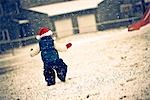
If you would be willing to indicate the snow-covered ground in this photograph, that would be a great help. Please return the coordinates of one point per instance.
(108, 65)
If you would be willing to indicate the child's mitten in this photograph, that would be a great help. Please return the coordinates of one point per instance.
(68, 45)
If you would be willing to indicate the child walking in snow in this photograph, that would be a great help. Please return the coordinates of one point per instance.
(50, 56)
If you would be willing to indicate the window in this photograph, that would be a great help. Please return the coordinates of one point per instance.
(17, 8)
(1, 10)
(125, 8)
(4, 35)
(1, 36)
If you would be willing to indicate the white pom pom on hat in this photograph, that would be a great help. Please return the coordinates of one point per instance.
(38, 37)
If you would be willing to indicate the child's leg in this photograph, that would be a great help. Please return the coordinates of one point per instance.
(49, 76)
(61, 69)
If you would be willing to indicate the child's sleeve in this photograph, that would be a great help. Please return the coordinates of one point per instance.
(35, 51)
(61, 46)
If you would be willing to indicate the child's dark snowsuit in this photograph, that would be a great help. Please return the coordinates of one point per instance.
(51, 61)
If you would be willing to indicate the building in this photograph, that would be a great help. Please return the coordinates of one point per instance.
(91, 15)
(18, 23)
(72, 17)
(116, 13)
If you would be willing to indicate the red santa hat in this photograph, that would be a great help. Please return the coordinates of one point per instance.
(44, 31)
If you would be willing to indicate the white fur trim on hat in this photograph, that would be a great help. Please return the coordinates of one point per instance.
(38, 37)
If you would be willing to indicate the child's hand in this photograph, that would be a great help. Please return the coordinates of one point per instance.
(68, 45)
(31, 52)
(34, 51)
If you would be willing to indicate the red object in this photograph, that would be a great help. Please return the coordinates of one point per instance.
(144, 21)
(42, 30)
(68, 45)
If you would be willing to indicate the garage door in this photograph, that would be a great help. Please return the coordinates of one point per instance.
(64, 28)
(87, 23)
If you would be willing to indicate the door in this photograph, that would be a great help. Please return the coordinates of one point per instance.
(87, 23)
(64, 27)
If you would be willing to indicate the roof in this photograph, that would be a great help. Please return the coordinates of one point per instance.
(147, 0)
(66, 7)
